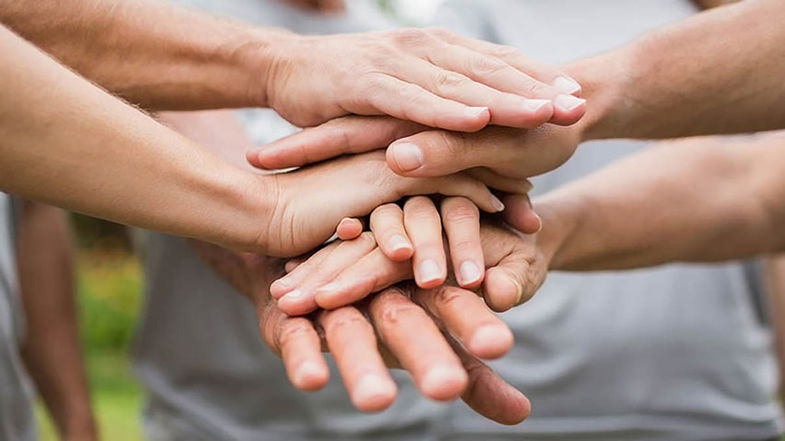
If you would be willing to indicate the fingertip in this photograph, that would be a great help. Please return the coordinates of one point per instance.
(444, 382)
(252, 156)
(398, 248)
(429, 274)
(373, 393)
(349, 228)
(329, 296)
(491, 341)
(501, 291)
(311, 376)
(469, 274)
(297, 302)
(568, 110)
(472, 120)
(279, 288)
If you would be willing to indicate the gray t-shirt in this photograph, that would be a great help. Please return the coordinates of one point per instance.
(207, 374)
(678, 352)
(16, 415)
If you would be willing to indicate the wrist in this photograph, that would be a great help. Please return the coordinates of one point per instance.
(263, 59)
(560, 219)
(258, 199)
(606, 81)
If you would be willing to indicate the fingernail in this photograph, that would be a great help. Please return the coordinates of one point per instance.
(279, 288)
(540, 220)
(497, 203)
(470, 273)
(294, 295)
(429, 271)
(408, 156)
(371, 391)
(330, 287)
(567, 85)
(475, 111)
(534, 106)
(398, 242)
(568, 103)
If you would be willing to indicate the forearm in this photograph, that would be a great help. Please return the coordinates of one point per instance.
(699, 200)
(717, 72)
(51, 349)
(154, 54)
(68, 143)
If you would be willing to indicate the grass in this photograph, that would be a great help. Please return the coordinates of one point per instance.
(109, 287)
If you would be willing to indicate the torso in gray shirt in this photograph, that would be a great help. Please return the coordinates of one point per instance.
(672, 353)
(16, 416)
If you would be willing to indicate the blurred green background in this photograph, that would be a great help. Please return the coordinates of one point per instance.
(109, 288)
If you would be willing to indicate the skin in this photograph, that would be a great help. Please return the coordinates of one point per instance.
(51, 349)
(366, 340)
(347, 271)
(654, 87)
(66, 142)
(433, 77)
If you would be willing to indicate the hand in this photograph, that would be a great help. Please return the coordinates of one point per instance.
(308, 204)
(410, 338)
(491, 155)
(347, 271)
(430, 76)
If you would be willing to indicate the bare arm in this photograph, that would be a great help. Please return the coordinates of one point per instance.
(694, 200)
(775, 290)
(162, 56)
(717, 72)
(51, 349)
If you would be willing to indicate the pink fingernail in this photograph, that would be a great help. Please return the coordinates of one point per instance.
(568, 103)
(398, 242)
(408, 156)
(497, 203)
(475, 111)
(535, 106)
(429, 271)
(470, 273)
(567, 85)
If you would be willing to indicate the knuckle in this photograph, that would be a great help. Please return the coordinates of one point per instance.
(411, 37)
(293, 331)
(504, 51)
(460, 210)
(345, 318)
(439, 32)
(445, 296)
(487, 66)
(394, 314)
(445, 81)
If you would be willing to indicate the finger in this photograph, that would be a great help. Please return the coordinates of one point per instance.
(499, 182)
(296, 340)
(352, 342)
(292, 264)
(440, 153)
(424, 226)
(293, 278)
(302, 299)
(461, 220)
(388, 229)
(417, 343)
(467, 317)
(550, 82)
(352, 134)
(370, 274)
(411, 102)
(452, 82)
(488, 394)
(349, 228)
(520, 214)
